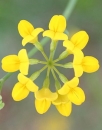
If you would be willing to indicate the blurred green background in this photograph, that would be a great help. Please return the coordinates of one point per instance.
(87, 15)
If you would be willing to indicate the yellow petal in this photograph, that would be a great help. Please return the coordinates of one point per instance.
(31, 86)
(45, 93)
(61, 99)
(80, 39)
(22, 79)
(60, 36)
(10, 63)
(24, 61)
(49, 33)
(36, 32)
(68, 85)
(76, 96)
(90, 64)
(28, 38)
(64, 108)
(19, 92)
(78, 57)
(25, 28)
(69, 45)
(27, 82)
(57, 23)
(42, 105)
(78, 70)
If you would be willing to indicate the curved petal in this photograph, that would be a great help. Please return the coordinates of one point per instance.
(90, 64)
(61, 99)
(68, 85)
(22, 79)
(29, 38)
(10, 63)
(76, 96)
(78, 70)
(25, 28)
(45, 93)
(42, 106)
(60, 36)
(36, 31)
(78, 57)
(69, 45)
(57, 23)
(24, 61)
(31, 86)
(80, 39)
(23, 57)
(27, 82)
(49, 33)
(64, 108)
(19, 92)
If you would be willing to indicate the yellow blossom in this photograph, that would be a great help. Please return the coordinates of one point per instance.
(63, 105)
(27, 31)
(82, 64)
(12, 63)
(23, 87)
(78, 41)
(57, 26)
(43, 100)
(75, 94)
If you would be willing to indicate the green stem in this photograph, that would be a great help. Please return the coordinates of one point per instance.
(4, 79)
(37, 73)
(60, 65)
(69, 8)
(61, 76)
(46, 82)
(57, 83)
(40, 48)
(35, 61)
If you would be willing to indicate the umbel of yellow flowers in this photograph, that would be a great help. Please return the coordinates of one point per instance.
(70, 92)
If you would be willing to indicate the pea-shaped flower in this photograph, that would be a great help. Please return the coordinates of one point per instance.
(12, 63)
(57, 26)
(75, 94)
(23, 87)
(78, 41)
(28, 32)
(43, 100)
(82, 64)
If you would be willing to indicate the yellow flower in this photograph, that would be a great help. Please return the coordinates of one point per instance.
(12, 63)
(82, 64)
(27, 31)
(77, 41)
(57, 26)
(75, 94)
(23, 87)
(63, 105)
(43, 100)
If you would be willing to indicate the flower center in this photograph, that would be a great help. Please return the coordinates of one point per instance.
(50, 63)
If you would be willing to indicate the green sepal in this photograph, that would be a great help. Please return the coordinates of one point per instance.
(35, 75)
(57, 84)
(63, 55)
(68, 65)
(39, 46)
(63, 78)
(46, 82)
(33, 61)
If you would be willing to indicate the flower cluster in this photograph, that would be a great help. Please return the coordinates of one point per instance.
(66, 93)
